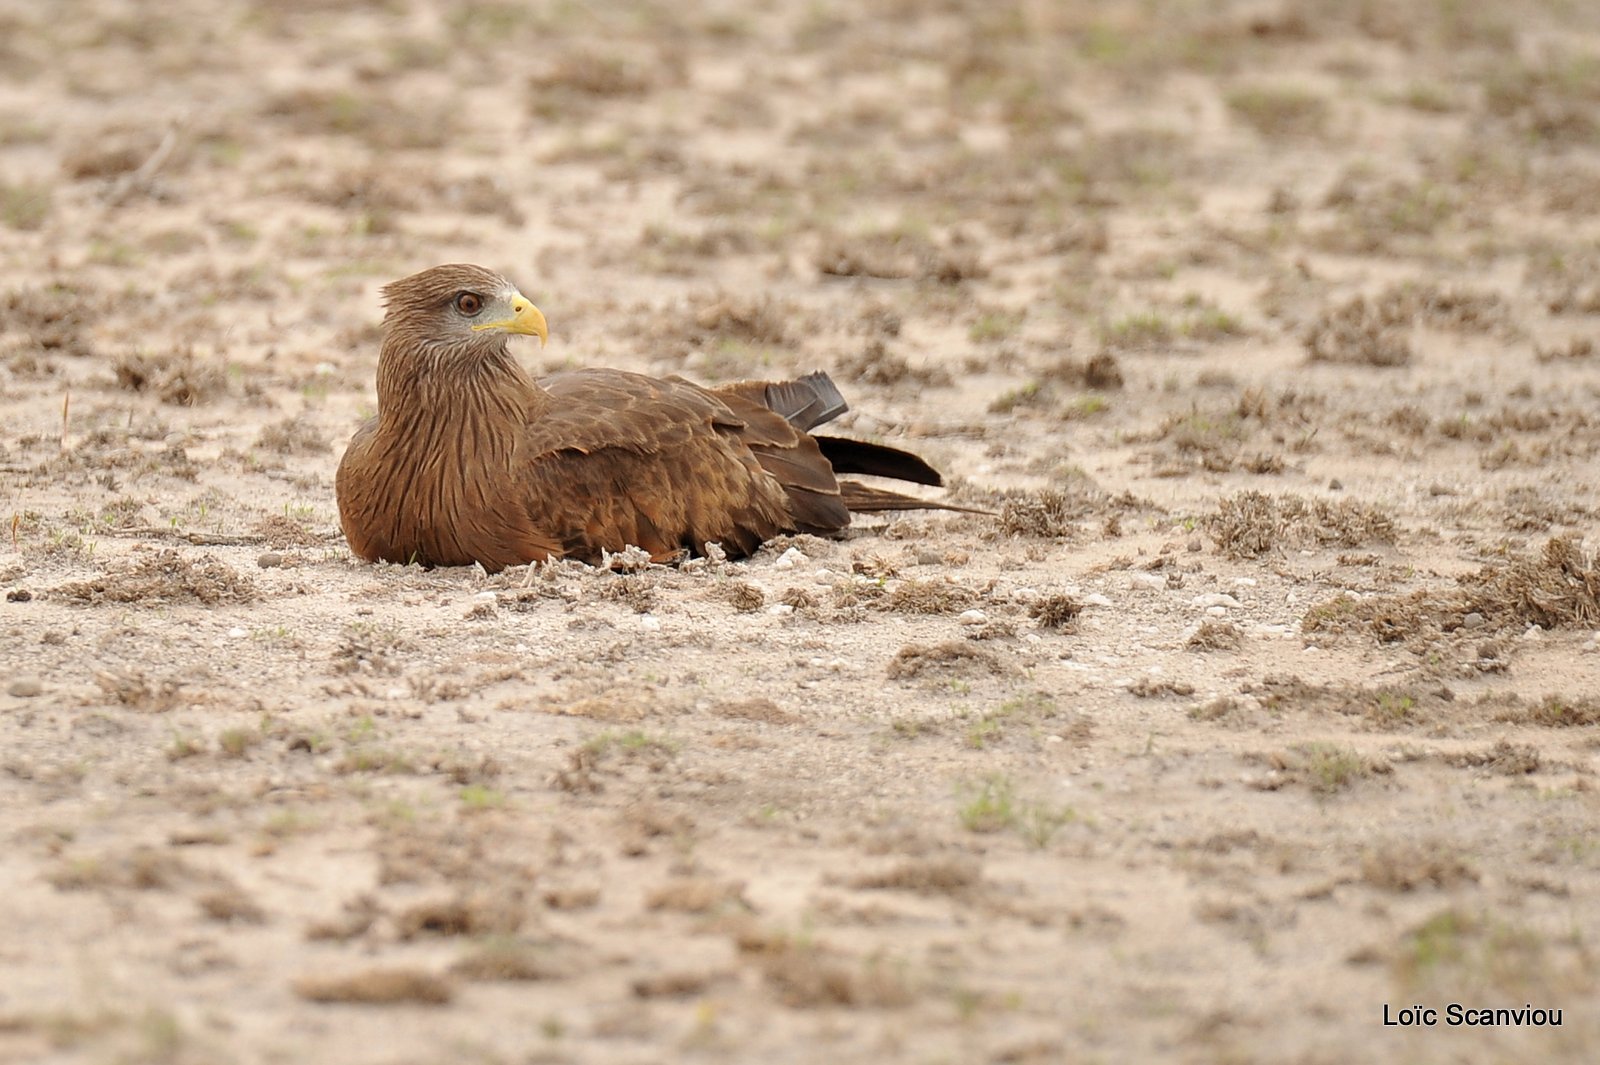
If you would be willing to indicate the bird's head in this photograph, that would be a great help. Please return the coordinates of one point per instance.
(459, 306)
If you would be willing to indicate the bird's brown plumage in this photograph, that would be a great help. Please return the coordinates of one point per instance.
(469, 459)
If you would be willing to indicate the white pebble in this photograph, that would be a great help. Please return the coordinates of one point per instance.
(1146, 580)
(972, 617)
(649, 623)
(1217, 611)
(485, 597)
(1210, 599)
(1244, 582)
(780, 610)
(236, 632)
(1533, 632)
(789, 559)
(1096, 599)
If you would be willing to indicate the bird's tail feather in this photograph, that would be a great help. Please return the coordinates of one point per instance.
(806, 401)
(858, 456)
(863, 499)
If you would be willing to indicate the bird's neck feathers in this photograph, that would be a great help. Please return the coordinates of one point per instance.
(460, 386)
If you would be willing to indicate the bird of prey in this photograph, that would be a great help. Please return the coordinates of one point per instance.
(470, 459)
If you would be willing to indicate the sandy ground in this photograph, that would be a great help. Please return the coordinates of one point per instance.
(1266, 702)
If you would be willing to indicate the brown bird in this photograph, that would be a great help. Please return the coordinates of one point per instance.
(470, 459)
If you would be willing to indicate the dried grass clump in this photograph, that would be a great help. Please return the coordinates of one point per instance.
(1058, 611)
(875, 364)
(950, 657)
(744, 596)
(1369, 332)
(1558, 588)
(897, 255)
(926, 597)
(1101, 372)
(176, 377)
(1554, 711)
(1216, 635)
(597, 75)
(1403, 867)
(1575, 348)
(379, 986)
(809, 975)
(293, 436)
(1323, 767)
(164, 577)
(1281, 111)
(373, 117)
(54, 317)
(712, 319)
(1047, 512)
(1252, 523)
(924, 876)
(109, 153)
(1503, 757)
(1375, 331)
(1387, 618)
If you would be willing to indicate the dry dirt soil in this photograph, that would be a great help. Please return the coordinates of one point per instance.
(1269, 696)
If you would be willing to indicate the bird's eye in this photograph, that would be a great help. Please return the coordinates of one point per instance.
(469, 303)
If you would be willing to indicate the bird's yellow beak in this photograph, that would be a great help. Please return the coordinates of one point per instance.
(526, 320)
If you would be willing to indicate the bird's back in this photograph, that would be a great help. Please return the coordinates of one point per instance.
(669, 466)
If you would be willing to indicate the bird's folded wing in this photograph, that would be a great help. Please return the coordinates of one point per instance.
(598, 409)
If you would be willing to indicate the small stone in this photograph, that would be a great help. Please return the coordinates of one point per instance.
(649, 623)
(1533, 632)
(1217, 611)
(1194, 544)
(780, 610)
(1146, 580)
(238, 633)
(1211, 599)
(929, 558)
(972, 617)
(1335, 485)
(269, 559)
(789, 559)
(1096, 599)
(25, 687)
(1473, 620)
